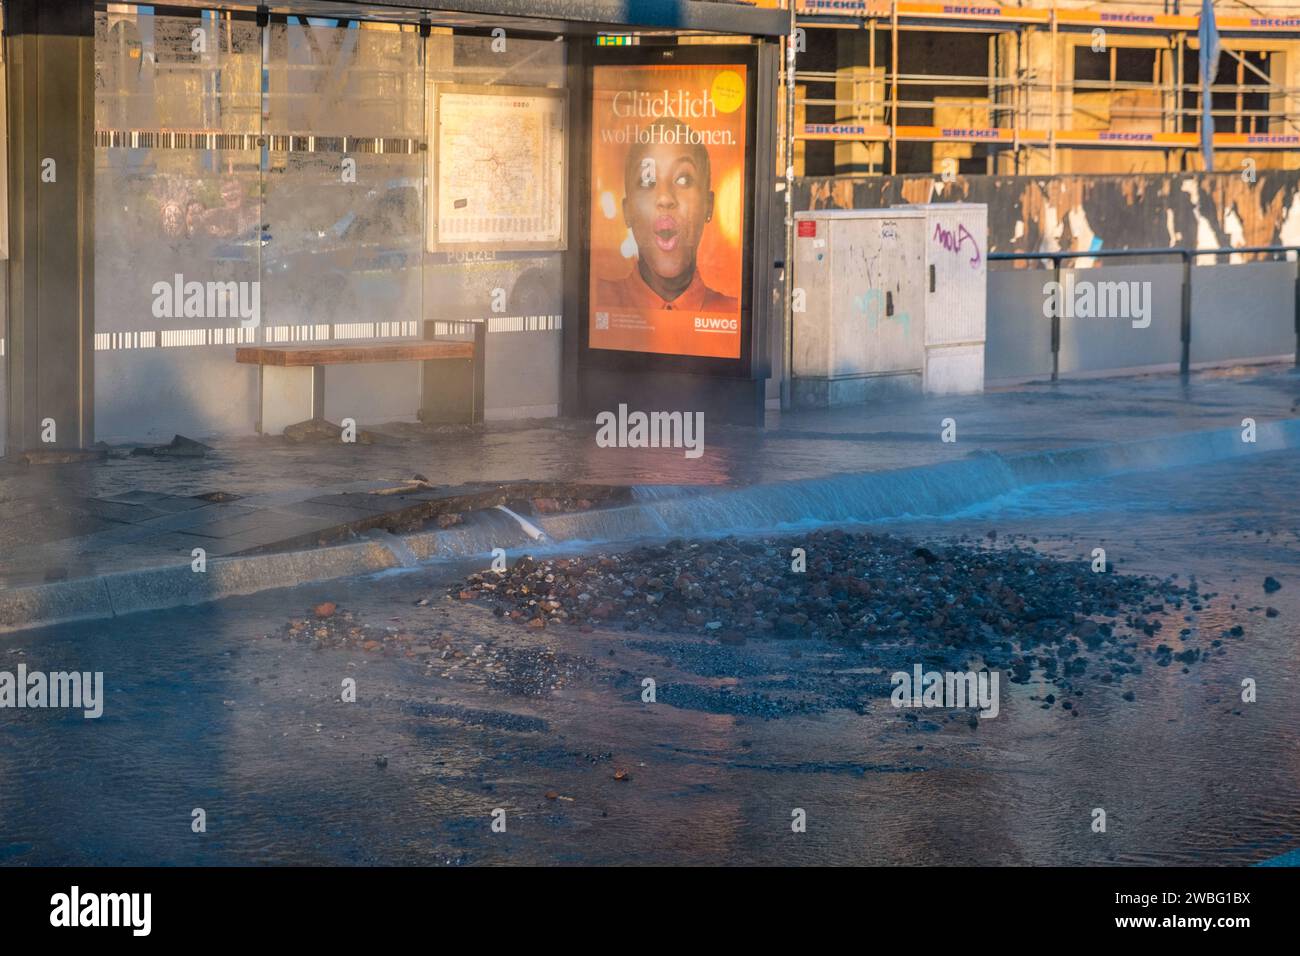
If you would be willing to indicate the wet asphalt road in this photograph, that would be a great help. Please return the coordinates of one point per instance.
(213, 708)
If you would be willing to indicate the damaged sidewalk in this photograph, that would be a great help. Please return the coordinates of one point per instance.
(120, 532)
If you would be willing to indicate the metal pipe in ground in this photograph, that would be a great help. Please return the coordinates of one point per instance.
(787, 271)
(1056, 320)
(1185, 333)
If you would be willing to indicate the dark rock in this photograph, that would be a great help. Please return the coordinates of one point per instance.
(182, 447)
(319, 431)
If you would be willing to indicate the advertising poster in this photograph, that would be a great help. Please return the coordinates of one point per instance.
(667, 208)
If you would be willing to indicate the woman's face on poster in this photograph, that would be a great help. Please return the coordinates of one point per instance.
(668, 202)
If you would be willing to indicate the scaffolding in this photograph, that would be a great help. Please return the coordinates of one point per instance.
(1065, 87)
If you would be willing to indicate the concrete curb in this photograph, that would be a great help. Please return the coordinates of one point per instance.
(159, 588)
(154, 589)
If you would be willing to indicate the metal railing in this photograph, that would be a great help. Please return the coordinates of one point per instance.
(1188, 257)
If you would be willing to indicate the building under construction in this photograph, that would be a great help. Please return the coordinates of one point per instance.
(1043, 86)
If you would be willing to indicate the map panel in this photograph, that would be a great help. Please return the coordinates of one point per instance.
(499, 157)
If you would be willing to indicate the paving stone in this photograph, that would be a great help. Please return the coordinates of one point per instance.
(137, 495)
(340, 513)
(196, 517)
(283, 524)
(124, 511)
(378, 504)
(177, 503)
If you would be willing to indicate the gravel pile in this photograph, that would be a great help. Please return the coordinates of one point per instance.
(527, 671)
(1007, 607)
(855, 587)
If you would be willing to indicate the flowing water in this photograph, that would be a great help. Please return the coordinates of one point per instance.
(203, 711)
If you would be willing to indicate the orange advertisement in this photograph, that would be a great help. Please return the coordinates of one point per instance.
(667, 208)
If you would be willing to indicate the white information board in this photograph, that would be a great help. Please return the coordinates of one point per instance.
(498, 168)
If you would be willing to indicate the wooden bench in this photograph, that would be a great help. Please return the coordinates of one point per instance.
(291, 381)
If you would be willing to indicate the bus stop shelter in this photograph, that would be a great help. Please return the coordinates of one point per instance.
(591, 181)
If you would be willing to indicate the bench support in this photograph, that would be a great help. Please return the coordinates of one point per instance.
(288, 396)
(451, 390)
